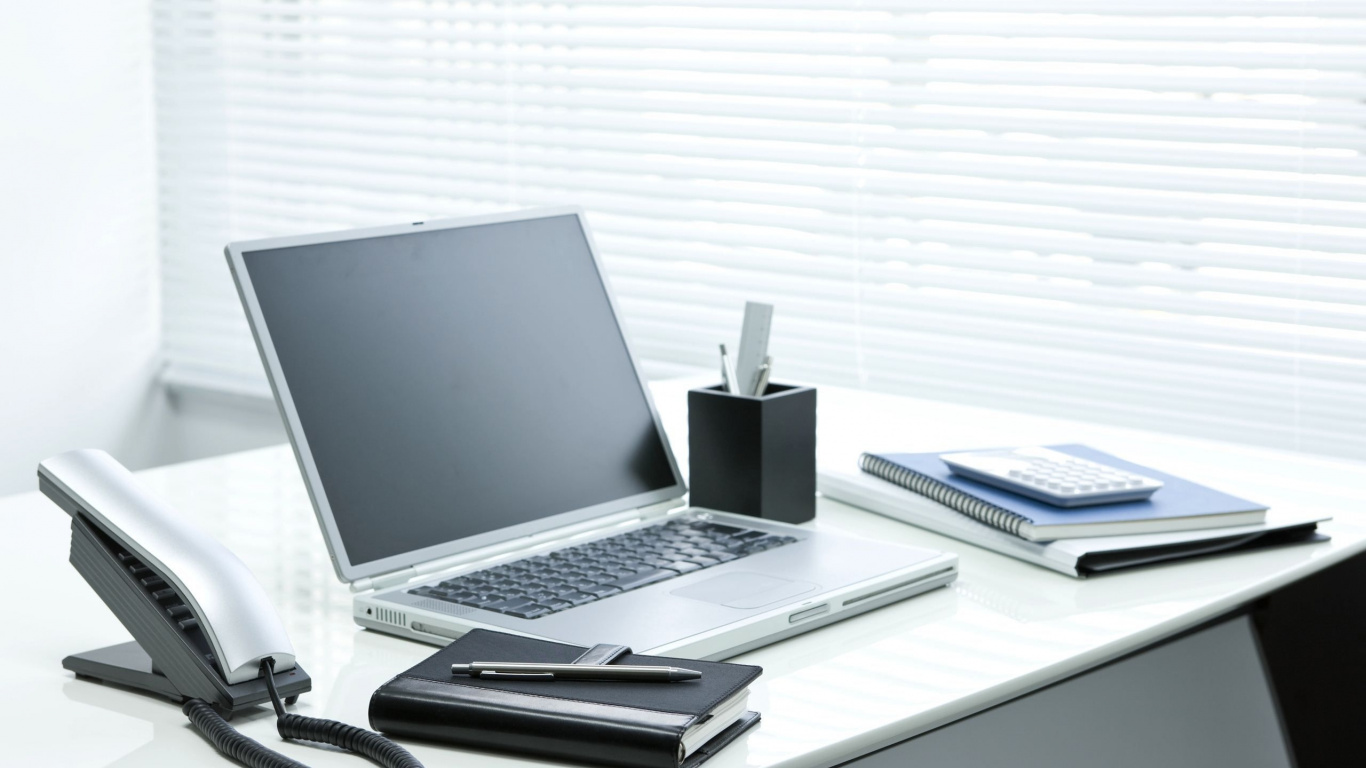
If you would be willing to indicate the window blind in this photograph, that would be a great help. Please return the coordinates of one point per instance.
(1146, 214)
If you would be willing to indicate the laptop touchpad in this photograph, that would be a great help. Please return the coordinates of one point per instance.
(745, 590)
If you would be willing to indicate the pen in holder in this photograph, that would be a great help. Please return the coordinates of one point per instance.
(754, 455)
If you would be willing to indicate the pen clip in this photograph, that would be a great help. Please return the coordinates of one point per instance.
(522, 676)
(600, 654)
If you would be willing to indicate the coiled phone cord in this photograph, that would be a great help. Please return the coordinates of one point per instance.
(254, 754)
(232, 743)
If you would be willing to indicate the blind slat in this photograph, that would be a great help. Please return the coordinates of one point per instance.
(442, 119)
(1208, 80)
(1218, 228)
(319, 39)
(965, 10)
(491, 104)
(870, 182)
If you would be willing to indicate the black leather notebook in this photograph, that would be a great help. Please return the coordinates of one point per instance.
(641, 725)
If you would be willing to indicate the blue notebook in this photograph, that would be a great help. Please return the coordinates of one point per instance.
(1179, 505)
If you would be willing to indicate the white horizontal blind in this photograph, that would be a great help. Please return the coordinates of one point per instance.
(1144, 213)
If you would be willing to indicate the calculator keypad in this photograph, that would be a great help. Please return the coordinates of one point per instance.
(1052, 476)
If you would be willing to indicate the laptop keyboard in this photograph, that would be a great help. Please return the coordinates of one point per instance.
(545, 584)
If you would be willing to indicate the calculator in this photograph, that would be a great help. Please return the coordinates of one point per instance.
(1051, 476)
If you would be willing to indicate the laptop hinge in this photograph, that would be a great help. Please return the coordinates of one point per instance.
(661, 509)
(394, 578)
(384, 579)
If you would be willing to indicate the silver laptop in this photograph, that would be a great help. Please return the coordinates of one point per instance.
(482, 451)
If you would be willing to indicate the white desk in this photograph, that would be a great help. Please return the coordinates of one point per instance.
(1004, 629)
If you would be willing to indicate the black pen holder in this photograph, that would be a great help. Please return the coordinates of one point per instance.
(754, 455)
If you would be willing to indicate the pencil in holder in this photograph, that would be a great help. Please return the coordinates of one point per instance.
(754, 455)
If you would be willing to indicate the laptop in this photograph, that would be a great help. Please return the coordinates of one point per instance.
(481, 450)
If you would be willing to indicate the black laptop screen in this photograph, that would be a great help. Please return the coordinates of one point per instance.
(453, 382)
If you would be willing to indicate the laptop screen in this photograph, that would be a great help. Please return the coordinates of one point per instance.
(453, 382)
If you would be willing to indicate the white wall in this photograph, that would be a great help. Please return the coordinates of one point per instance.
(79, 306)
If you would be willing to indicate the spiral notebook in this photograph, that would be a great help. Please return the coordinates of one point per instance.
(1180, 505)
(1078, 558)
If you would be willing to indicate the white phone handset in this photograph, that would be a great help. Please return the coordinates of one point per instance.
(227, 603)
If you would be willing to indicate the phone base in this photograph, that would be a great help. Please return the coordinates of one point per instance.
(128, 665)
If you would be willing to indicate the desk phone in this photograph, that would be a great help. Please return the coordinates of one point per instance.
(204, 633)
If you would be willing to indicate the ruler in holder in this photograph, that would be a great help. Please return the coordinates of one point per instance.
(753, 346)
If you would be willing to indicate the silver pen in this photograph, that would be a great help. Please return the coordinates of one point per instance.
(508, 670)
(728, 373)
(764, 370)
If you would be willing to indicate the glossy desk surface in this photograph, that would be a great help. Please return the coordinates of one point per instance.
(828, 696)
